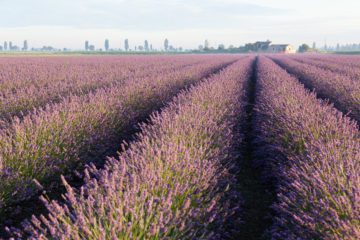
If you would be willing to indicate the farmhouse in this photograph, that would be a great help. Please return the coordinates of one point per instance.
(281, 48)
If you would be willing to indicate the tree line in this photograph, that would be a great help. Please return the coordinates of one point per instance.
(147, 47)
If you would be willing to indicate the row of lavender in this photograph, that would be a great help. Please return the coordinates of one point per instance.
(341, 90)
(352, 61)
(313, 152)
(338, 68)
(49, 142)
(171, 182)
(34, 82)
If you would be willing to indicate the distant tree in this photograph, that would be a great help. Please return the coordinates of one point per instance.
(25, 46)
(146, 45)
(166, 44)
(5, 45)
(221, 47)
(180, 49)
(304, 48)
(232, 47)
(86, 45)
(126, 43)
(314, 45)
(201, 47)
(92, 48)
(106, 45)
(338, 47)
(141, 48)
(206, 45)
(47, 48)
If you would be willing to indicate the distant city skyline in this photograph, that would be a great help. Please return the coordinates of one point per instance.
(186, 23)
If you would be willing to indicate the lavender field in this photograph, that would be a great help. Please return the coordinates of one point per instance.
(180, 147)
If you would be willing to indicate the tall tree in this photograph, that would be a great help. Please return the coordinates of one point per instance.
(5, 45)
(126, 43)
(206, 45)
(304, 48)
(338, 47)
(107, 44)
(314, 45)
(86, 45)
(166, 44)
(146, 45)
(25, 46)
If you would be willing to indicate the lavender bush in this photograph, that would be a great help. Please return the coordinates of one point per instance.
(316, 159)
(351, 61)
(168, 184)
(339, 89)
(49, 141)
(338, 67)
(27, 83)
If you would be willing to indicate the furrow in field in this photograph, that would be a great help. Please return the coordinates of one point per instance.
(257, 194)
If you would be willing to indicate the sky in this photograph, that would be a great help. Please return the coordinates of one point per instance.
(186, 23)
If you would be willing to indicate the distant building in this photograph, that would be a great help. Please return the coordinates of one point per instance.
(281, 48)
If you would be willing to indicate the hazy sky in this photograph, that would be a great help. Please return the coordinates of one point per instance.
(186, 23)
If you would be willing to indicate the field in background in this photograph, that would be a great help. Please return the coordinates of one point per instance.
(179, 146)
